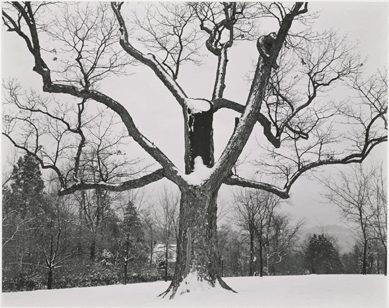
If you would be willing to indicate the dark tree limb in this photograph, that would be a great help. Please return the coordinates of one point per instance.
(130, 184)
(42, 69)
(220, 103)
(239, 181)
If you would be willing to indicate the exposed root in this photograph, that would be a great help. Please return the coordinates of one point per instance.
(224, 285)
(191, 282)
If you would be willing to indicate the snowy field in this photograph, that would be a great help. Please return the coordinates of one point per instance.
(280, 291)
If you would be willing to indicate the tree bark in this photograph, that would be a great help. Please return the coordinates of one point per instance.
(252, 254)
(166, 256)
(50, 279)
(260, 257)
(93, 249)
(197, 258)
(364, 261)
(125, 271)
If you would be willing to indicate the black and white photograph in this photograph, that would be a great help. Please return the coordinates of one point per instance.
(194, 154)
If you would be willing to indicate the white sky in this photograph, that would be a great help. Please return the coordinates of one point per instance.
(159, 117)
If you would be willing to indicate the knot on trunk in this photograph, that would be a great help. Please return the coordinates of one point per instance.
(265, 46)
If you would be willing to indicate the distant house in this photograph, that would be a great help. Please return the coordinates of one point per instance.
(159, 253)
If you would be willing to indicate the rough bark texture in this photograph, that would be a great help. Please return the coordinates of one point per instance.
(197, 242)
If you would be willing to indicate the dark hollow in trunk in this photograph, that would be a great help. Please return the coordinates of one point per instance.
(200, 135)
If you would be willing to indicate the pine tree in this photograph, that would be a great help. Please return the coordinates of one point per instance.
(26, 194)
(133, 241)
(23, 214)
(321, 256)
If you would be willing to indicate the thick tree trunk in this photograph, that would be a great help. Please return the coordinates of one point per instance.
(197, 255)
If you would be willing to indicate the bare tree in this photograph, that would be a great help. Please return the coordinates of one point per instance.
(54, 237)
(379, 209)
(254, 212)
(281, 238)
(289, 121)
(353, 195)
(166, 219)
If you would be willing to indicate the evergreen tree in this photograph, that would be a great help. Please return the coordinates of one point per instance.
(25, 195)
(321, 257)
(132, 238)
(23, 214)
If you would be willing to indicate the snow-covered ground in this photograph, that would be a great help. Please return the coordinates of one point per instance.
(279, 291)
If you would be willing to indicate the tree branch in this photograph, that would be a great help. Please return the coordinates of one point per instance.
(131, 184)
(239, 181)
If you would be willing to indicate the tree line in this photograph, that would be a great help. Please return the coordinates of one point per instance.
(98, 238)
(80, 49)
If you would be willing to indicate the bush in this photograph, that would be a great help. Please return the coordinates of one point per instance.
(24, 282)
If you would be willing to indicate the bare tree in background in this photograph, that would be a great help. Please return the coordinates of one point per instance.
(293, 111)
(379, 208)
(254, 212)
(166, 216)
(356, 197)
(281, 238)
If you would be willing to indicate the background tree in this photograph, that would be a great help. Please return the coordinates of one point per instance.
(379, 209)
(281, 239)
(54, 236)
(254, 211)
(356, 197)
(289, 112)
(166, 220)
(132, 239)
(24, 203)
(321, 257)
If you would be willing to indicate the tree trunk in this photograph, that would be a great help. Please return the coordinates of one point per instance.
(151, 246)
(260, 257)
(93, 249)
(197, 259)
(252, 255)
(364, 261)
(125, 271)
(50, 279)
(166, 256)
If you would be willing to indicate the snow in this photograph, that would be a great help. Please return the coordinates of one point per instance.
(193, 285)
(311, 291)
(200, 173)
(197, 105)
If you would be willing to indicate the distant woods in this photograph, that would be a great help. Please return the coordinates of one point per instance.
(99, 238)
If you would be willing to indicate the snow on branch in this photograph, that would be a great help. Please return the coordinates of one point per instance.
(131, 184)
(239, 181)
(85, 93)
(198, 105)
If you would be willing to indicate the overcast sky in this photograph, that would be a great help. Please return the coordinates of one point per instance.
(158, 115)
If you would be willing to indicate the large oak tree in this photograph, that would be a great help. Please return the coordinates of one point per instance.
(293, 69)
